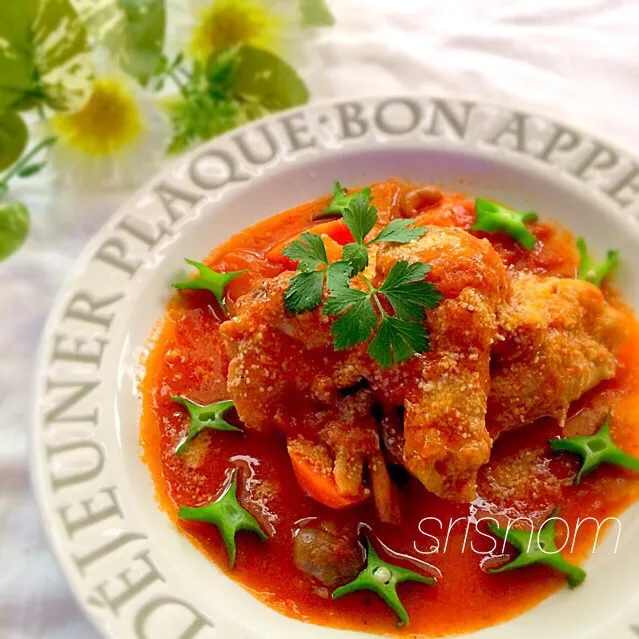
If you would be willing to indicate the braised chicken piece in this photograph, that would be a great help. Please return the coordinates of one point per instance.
(284, 374)
(559, 338)
(444, 391)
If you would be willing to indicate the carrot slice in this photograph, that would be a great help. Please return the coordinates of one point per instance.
(317, 481)
(335, 229)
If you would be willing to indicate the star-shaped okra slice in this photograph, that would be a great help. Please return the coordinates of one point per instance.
(382, 578)
(228, 515)
(594, 450)
(537, 547)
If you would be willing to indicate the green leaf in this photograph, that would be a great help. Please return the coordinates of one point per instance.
(263, 77)
(356, 325)
(408, 293)
(304, 292)
(16, 62)
(309, 251)
(204, 417)
(132, 30)
(198, 118)
(338, 275)
(382, 578)
(359, 217)
(209, 280)
(227, 514)
(62, 56)
(398, 231)
(495, 218)
(342, 297)
(140, 44)
(398, 340)
(315, 13)
(13, 138)
(221, 69)
(31, 169)
(44, 56)
(340, 200)
(357, 256)
(14, 227)
(591, 272)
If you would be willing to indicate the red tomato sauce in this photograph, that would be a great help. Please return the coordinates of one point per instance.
(523, 477)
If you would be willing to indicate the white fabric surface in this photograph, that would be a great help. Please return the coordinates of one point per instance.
(573, 59)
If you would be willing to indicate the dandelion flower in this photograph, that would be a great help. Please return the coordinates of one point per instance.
(265, 24)
(115, 140)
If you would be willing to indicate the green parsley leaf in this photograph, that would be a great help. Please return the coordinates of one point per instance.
(591, 272)
(340, 200)
(356, 255)
(356, 324)
(209, 280)
(398, 340)
(309, 251)
(495, 218)
(398, 231)
(407, 291)
(338, 275)
(305, 289)
(304, 292)
(360, 217)
(342, 298)
(361, 313)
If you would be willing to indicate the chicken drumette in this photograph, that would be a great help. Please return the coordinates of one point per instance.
(558, 341)
(284, 374)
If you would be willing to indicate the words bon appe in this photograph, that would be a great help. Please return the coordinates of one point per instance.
(121, 577)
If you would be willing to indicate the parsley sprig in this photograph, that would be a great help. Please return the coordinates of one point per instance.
(362, 313)
(305, 289)
(397, 326)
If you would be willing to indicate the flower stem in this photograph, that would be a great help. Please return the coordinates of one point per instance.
(25, 159)
(178, 82)
(185, 74)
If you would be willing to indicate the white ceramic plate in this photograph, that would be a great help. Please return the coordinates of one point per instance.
(131, 570)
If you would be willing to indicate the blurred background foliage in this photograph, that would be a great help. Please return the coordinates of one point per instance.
(89, 91)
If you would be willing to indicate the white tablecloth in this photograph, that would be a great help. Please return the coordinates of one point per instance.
(574, 59)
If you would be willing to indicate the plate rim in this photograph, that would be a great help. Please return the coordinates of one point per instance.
(56, 545)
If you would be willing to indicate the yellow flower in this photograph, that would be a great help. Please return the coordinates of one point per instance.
(116, 139)
(264, 24)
